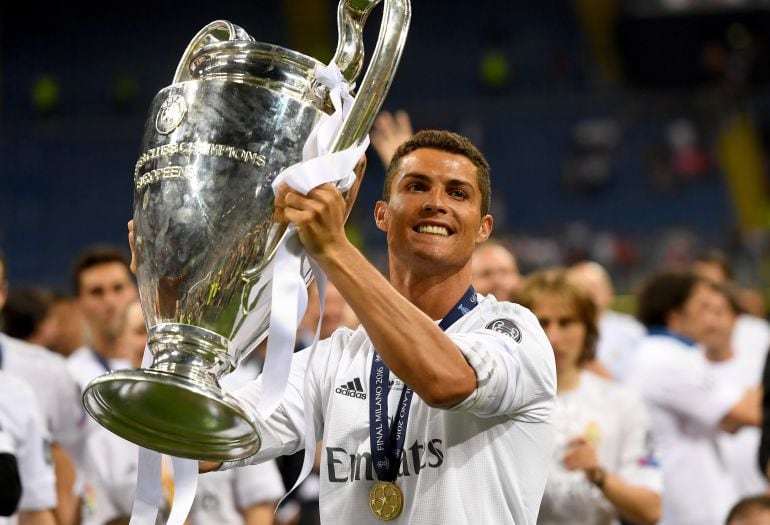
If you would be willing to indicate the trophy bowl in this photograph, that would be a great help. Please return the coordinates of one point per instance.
(237, 114)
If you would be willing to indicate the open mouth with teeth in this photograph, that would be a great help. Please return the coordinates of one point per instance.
(431, 229)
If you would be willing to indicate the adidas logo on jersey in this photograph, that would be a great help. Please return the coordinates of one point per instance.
(352, 389)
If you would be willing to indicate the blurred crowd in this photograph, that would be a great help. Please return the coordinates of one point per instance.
(658, 416)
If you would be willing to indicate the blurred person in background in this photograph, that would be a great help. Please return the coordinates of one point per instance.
(58, 400)
(28, 315)
(689, 405)
(619, 333)
(752, 302)
(754, 510)
(604, 467)
(243, 496)
(25, 435)
(713, 265)
(132, 334)
(739, 450)
(389, 131)
(70, 325)
(104, 287)
(495, 271)
(750, 333)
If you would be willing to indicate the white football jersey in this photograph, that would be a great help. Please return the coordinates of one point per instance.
(618, 336)
(615, 420)
(56, 391)
(751, 338)
(483, 461)
(686, 404)
(21, 420)
(85, 366)
(109, 473)
(222, 495)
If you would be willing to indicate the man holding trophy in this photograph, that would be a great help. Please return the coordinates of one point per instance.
(472, 380)
(437, 409)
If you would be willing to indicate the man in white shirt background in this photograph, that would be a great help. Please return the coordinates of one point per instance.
(751, 334)
(741, 368)
(619, 333)
(495, 271)
(689, 406)
(26, 435)
(57, 399)
(244, 496)
(103, 287)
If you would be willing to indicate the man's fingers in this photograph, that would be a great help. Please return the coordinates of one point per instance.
(385, 124)
(132, 245)
(403, 122)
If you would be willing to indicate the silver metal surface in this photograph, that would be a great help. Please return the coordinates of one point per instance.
(237, 114)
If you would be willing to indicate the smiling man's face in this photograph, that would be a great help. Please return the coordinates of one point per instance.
(434, 211)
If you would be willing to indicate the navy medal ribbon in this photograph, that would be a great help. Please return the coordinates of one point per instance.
(387, 443)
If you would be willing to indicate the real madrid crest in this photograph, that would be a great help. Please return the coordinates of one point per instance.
(506, 327)
(170, 114)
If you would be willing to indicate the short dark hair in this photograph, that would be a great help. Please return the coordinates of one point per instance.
(450, 142)
(717, 258)
(24, 310)
(747, 506)
(95, 256)
(557, 280)
(663, 293)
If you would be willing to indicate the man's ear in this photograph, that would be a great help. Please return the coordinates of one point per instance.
(485, 229)
(381, 215)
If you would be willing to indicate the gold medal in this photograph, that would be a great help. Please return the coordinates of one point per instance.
(386, 500)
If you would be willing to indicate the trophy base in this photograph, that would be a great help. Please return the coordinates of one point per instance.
(172, 414)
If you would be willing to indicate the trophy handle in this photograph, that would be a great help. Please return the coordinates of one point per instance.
(351, 16)
(210, 34)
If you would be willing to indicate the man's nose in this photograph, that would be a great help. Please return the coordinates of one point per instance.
(434, 201)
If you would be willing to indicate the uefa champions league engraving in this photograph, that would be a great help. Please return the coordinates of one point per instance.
(237, 113)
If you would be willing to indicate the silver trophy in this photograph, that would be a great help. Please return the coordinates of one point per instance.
(237, 113)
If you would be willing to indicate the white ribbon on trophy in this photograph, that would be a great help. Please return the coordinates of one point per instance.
(288, 305)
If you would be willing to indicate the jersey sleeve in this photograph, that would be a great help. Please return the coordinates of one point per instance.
(10, 484)
(255, 484)
(283, 432)
(35, 465)
(514, 365)
(639, 462)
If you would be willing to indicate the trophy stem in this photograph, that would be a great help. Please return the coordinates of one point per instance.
(176, 348)
(177, 406)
